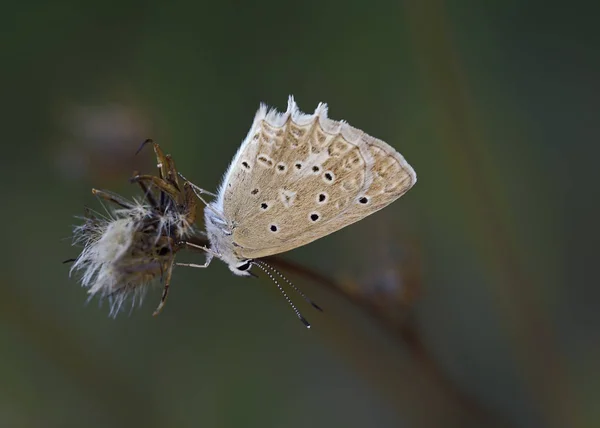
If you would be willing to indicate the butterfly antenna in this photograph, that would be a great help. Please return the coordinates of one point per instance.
(298, 314)
(282, 276)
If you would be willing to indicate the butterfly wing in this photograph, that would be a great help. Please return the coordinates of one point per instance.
(299, 177)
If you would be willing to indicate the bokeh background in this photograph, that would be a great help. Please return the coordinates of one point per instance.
(470, 302)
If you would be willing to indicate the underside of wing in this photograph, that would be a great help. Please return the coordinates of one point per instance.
(299, 177)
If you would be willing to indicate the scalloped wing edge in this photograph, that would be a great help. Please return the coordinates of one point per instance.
(278, 119)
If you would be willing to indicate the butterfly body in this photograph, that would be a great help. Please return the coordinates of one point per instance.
(297, 178)
(220, 236)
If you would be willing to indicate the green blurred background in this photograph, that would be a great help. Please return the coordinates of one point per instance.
(469, 302)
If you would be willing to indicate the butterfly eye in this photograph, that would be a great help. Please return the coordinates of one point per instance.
(244, 266)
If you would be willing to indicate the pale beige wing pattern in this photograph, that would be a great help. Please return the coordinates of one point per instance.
(301, 177)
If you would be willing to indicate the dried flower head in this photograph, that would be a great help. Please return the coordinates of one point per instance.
(135, 245)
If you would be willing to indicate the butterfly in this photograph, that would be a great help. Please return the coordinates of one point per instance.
(296, 178)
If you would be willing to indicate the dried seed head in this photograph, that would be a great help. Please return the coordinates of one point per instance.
(136, 244)
(123, 254)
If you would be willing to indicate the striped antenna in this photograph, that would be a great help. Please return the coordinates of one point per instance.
(298, 314)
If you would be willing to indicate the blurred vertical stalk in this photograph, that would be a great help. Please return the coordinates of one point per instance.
(474, 190)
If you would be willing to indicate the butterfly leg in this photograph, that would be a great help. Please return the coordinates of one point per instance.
(198, 191)
(199, 247)
(194, 265)
(209, 256)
